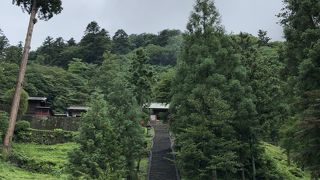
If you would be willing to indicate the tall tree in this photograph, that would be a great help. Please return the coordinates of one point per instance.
(45, 10)
(263, 38)
(125, 113)
(3, 44)
(120, 42)
(13, 54)
(141, 77)
(213, 109)
(165, 35)
(99, 155)
(94, 43)
(301, 22)
(51, 52)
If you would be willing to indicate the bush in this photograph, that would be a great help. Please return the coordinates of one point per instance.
(21, 126)
(47, 137)
(30, 164)
(3, 124)
(23, 106)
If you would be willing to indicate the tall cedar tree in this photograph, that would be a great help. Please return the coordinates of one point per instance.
(98, 156)
(213, 114)
(45, 10)
(141, 77)
(4, 43)
(301, 22)
(125, 112)
(94, 43)
(120, 42)
(263, 75)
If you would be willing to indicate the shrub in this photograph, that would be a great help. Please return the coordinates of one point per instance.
(30, 164)
(21, 126)
(23, 106)
(47, 137)
(3, 124)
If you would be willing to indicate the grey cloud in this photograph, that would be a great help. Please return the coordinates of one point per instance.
(138, 16)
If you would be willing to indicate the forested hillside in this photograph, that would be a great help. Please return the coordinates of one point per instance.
(242, 106)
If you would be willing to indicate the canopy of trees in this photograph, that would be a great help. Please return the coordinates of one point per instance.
(228, 93)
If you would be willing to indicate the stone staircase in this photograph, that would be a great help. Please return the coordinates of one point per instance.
(162, 165)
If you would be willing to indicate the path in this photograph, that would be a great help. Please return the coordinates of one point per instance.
(162, 165)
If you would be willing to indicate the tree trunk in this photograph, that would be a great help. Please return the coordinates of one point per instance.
(138, 165)
(214, 174)
(243, 176)
(253, 167)
(17, 95)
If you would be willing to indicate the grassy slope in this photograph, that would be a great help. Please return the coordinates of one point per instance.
(11, 172)
(51, 153)
(43, 153)
(280, 159)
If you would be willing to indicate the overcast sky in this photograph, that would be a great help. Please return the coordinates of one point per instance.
(138, 16)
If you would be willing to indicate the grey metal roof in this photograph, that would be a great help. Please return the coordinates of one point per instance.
(37, 98)
(158, 106)
(78, 108)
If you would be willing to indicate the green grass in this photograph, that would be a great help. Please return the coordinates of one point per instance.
(37, 154)
(279, 158)
(52, 154)
(11, 172)
(57, 154)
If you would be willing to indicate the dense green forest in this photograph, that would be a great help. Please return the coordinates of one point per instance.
(236, 100)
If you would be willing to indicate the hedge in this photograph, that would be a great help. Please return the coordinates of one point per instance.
(46, 137)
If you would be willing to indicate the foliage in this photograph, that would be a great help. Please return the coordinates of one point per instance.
(98, 155)
(124, 111)
(162, 89)
(213, 105)
(62, 88)
(141, 77)
(142, 40)
(264, 76)
(120, 42)
(164, 36)
(4, 118)
(46, 8)
(13, 54)
(23, 106)
(46, 159)
(161, 55)
(46, 137)
(300, 20)
(9, 171)
(94, 43)
(21, 126)
(277, 157)
(3, 44)
(52, 52)
(8, 72)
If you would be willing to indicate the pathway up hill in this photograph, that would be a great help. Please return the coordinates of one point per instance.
(162, 165)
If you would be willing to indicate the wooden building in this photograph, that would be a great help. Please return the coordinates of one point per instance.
(37, 106)
(156, 108)
(76, 111)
